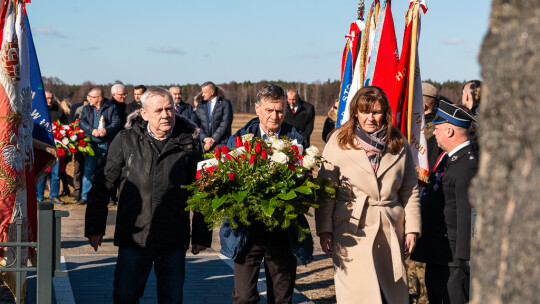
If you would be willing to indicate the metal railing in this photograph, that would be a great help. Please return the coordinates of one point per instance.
(48, 247)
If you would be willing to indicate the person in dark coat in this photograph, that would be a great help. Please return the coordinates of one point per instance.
(100, 122)
(330, 122)
(181, 107)
(78, 158)
(150, 160)
(215, 115)
(135, 105)
(445, 244)
(300, 114)
(249, 246)
(118, 99)
(57, 115)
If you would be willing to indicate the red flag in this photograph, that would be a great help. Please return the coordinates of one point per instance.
(408, 94)
(387, 57)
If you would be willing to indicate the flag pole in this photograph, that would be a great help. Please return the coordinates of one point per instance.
(412, 68)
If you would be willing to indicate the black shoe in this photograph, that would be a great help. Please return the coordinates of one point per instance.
(82, 201)
(57, 201)
(77, 198)
(65, 193)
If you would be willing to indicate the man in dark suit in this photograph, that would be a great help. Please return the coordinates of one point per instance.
(215, 116)
(300, 114)
(445, 244)
(251, 245)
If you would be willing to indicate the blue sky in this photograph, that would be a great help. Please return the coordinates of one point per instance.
(188, 41)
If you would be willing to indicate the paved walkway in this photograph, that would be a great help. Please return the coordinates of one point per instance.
(209, 276)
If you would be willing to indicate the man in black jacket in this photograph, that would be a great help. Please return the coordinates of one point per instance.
(100, 121)
(57, 115)
(119, 94)
(150, 161)
(135, 105)
(300, 114)
(181, 107)
(215, 116)
(445, 244)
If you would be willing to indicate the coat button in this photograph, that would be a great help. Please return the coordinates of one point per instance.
(445, 235)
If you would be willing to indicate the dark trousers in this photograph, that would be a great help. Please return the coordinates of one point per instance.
(447, 284)
(78, 171)
(279, 267)
(133, 266)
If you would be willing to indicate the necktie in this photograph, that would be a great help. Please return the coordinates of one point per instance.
(293, 111)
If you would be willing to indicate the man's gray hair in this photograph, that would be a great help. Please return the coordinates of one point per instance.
(272, 92)
(156, 91)
(115, 87)
(179, 88)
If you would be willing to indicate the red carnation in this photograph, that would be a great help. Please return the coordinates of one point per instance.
(247, 146)
(217, 152)
(80, 135)
(71, 133)
(60, 152)
(225, 150)
(291, 167)
(238, 141)
(252, 159)
(228, 156)
(77, 129)
(232, 177)
(82, 143)
(264, 155)
(258, 147)
(72, 150)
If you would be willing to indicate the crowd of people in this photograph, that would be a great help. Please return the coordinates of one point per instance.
(147, 149)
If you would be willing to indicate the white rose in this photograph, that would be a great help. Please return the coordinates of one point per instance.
(237, 152)
(65, 141)
(280, 158)
(278, 144)
(63, 132)
(312, 151)
(65, 127)
(247, 137)
(73, 138)
(309, 162)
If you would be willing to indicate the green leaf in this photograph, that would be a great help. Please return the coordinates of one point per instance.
(287, 196)
(199, 195)
(239, 196)
(90, 151)
(269, 206)
(218, 201)
(304, 190)
(86, 139)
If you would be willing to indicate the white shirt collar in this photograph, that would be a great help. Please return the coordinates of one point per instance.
(263, 134)
(456, 149)
(154, 136)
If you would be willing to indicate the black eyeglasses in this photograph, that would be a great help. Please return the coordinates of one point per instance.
(335, 108)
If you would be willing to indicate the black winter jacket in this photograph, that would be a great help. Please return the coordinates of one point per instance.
(110, 115)
(303, 120)
(151, 203)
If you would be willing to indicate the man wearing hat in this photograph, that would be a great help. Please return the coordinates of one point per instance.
(431, 99)
(446, 211)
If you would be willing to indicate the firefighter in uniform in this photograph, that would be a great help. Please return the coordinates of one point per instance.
(446, 211)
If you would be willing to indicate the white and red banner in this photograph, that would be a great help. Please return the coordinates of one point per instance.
(408, 92)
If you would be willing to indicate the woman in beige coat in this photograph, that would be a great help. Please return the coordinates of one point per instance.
(372, 224)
